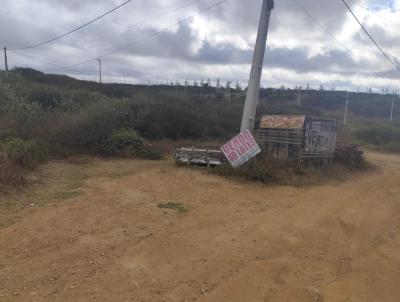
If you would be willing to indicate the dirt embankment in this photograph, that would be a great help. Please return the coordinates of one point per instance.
(94, 232)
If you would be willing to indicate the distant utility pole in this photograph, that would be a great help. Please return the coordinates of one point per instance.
(100, 79)
(299, 96)
(228, 91)
(347, 108)
(5, 62)
(392, 108)
(146, 90)
(218, 85)
(253, 91)
(186, 87)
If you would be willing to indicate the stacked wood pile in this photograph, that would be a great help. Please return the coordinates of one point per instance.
(352, 156)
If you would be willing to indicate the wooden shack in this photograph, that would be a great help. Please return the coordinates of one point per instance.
(298, 137)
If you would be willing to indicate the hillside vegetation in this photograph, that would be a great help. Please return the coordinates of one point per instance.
(51, 116)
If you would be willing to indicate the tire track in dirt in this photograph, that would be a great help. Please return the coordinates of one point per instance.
(237, 242)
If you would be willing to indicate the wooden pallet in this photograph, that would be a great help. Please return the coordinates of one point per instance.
(200, 156)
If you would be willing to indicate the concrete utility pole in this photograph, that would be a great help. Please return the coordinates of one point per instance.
(147, 89)
(392, 108)
(253, 91)
(186, 87)
(228, 91)
(5, 62)
(100, 79)
(347, 108)
(299, 96)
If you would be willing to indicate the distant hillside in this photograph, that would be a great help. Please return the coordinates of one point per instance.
(73, 115)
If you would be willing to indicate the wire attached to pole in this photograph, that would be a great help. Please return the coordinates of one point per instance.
(73, 30)
(371, 38)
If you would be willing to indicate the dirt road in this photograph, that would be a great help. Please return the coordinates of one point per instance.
(94, 232)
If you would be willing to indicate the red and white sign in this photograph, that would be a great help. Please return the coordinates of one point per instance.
(241, 149)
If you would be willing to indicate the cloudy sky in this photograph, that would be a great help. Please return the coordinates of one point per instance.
(143, 41)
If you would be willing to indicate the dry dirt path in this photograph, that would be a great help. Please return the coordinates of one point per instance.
(95, 233)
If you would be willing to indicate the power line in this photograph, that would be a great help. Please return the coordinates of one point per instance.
(375, 14)
(320, 25)
(151, 19)
(166, 28)
(49, 63)
(73, 30)
(324, 29)
(149, 36)
(371, 38)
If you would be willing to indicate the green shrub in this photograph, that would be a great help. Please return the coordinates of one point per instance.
(378, 135)
(173, 206)
(10, 173)
(86, 131)
(382, 137)
(26, 154)
(123, 142)
(151, 153)
(80, 117)
(127, 142)
(351, 157)
(393, 147)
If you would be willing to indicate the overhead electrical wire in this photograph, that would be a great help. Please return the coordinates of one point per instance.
(320, 25)
(150, 19)
(164, 29)
(324, 29)
(148, 36)
(49, 63)
(73, 30)
(102, 38)
(396, 67)
(375, 14)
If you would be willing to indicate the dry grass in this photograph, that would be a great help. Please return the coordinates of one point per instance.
(266, 170)
(79, 160)
(11, 175)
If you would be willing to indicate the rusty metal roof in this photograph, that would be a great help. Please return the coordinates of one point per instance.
(282, 122)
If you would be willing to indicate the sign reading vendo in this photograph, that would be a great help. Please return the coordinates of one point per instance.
(241, 149)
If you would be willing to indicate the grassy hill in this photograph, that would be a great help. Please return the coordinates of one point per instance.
(67, 116)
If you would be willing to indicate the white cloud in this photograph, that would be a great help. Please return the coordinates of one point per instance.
(216, 44)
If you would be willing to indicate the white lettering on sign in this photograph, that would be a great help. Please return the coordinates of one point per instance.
(318, 140)
(241, 149)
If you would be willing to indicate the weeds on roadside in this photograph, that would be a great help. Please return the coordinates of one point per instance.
(11, 175)
(271, 171)
(173, 206)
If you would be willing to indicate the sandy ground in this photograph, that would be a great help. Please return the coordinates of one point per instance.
(94, 232)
